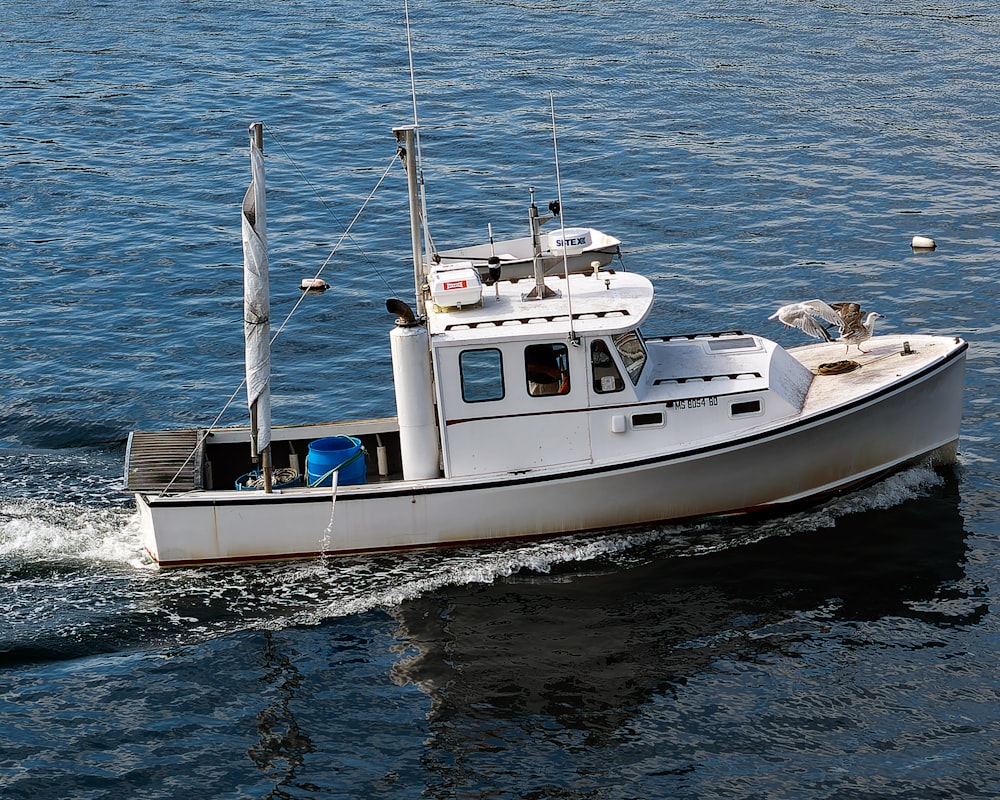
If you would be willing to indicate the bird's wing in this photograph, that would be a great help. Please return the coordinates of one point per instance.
(812, 327)
(790, 314)
(801, 315)
(850, 314)
(822, 310)
(852, 323)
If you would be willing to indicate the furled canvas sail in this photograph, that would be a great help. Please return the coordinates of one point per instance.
(256, 302)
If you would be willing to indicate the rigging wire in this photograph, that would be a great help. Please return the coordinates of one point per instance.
(336, 247)
(347, 232)
(345, 235)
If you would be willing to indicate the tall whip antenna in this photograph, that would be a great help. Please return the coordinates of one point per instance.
(429, 243)
(573, 338)
(409, 53)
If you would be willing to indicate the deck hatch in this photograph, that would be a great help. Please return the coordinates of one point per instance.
(722, 345)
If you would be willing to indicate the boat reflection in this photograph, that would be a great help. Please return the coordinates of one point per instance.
(586, 647)
(282, 746)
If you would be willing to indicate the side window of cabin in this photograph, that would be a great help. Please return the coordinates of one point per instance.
(633, 353)
(546, 367)
(605, 372)
(482, 375)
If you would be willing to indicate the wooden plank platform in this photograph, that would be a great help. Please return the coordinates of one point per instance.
(156, 460)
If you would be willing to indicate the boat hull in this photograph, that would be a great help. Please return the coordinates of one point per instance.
(803, 459)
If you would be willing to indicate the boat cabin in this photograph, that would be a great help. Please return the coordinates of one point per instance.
(519, 388)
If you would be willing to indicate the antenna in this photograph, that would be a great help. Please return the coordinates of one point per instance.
(428, 241)
(409, 54)
(573, 338)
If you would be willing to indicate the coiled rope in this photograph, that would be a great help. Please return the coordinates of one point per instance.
(837, 367)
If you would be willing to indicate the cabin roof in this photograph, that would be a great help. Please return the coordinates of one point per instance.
(612, 302)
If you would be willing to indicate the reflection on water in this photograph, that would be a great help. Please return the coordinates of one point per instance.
(283, 746)
(549, 662)
(690, 672)
(587, 646)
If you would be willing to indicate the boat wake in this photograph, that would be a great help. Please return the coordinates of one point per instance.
(892, 491)
(76, 582)
(35, 533)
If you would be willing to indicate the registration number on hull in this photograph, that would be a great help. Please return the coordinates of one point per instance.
(693, 402)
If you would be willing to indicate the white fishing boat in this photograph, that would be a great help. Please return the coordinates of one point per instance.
(529, 403)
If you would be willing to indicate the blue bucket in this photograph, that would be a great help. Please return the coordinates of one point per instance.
(343, 454)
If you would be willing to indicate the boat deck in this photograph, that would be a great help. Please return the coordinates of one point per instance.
(176, 461)
(888, 357)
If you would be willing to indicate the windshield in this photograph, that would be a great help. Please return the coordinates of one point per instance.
(633, 353)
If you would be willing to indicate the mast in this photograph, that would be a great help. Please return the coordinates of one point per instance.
(406, 142)
(257, 308)
(541, 291)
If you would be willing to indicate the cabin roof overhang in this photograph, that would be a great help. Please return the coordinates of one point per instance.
(611, 303)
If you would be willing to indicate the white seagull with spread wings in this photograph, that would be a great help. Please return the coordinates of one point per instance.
(853, 327)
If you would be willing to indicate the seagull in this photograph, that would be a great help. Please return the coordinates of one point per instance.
(803, 315)
(853, 328)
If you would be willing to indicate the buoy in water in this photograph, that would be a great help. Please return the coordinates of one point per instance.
(922, 243)
(317, 285)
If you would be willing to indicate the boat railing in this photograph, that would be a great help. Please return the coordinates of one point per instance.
(732, 376)
(691, 336)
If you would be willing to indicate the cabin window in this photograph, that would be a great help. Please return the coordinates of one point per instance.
(546, 367)
(745, 408)
(606, 376)
(648, 420)
(633, 353)
(482, 375)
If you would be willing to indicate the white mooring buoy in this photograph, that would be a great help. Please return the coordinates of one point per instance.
(316, 285)
(922, 243)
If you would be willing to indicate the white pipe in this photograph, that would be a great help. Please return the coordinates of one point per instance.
(411, 372)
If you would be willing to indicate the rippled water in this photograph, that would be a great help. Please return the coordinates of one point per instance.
(747, 156)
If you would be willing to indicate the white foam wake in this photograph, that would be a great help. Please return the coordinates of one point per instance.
(33, 530)
(92, 555)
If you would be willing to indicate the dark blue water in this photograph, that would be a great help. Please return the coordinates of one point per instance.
(747, 155)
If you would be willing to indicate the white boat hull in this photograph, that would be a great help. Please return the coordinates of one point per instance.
(827, 448)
